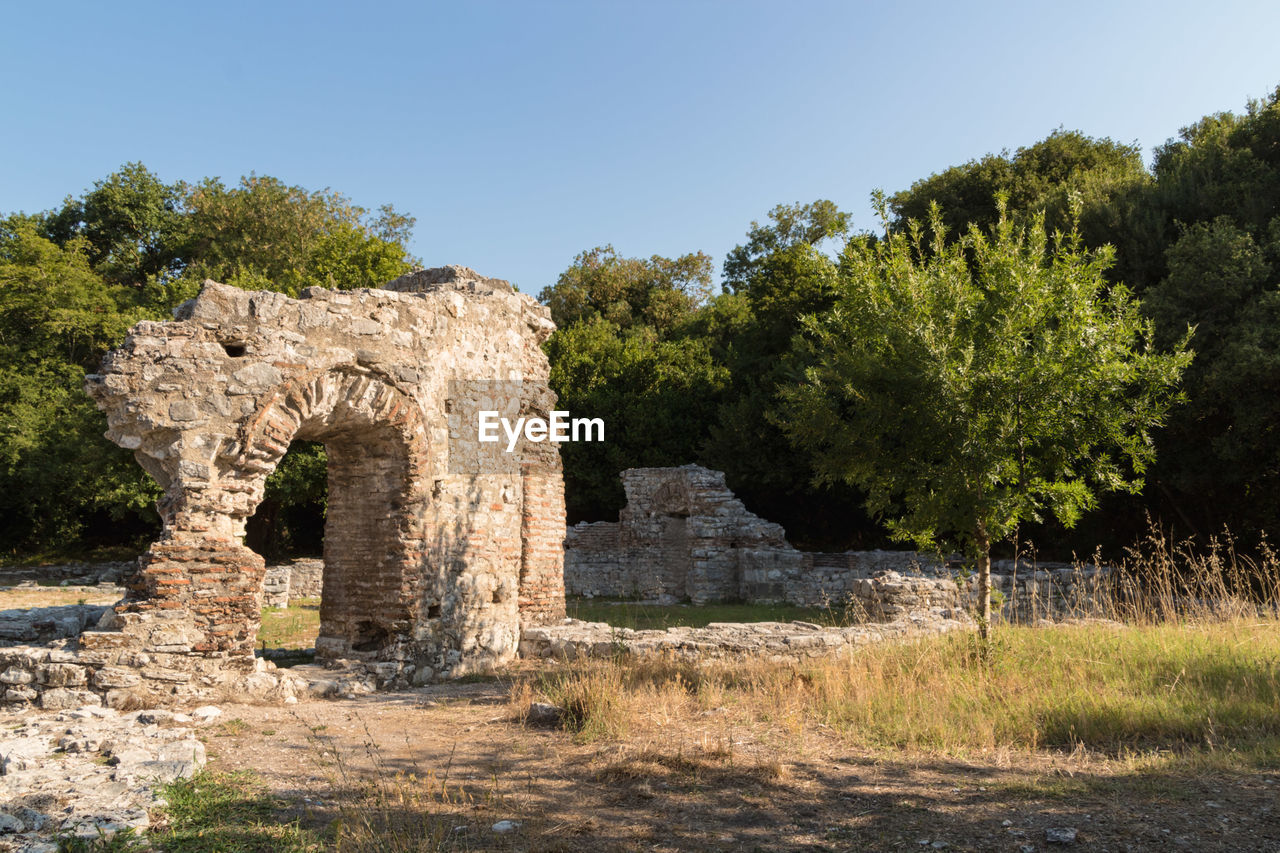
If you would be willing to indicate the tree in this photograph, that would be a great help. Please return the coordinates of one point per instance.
(1038, 179)
(133, 223)
(1204, 249)
(265, 234)
(622, 352)
(1221, 454)
(971, 385)
(780, 274)
(72, 281)
(793, 225)
(656, 292)
(655, 396)
(57, 472)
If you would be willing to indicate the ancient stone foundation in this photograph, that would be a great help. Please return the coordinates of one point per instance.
(437, 549)
(684, 536)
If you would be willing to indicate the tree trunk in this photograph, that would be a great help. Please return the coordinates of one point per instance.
(983, 541)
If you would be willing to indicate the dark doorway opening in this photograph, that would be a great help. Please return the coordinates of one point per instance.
(290, 521)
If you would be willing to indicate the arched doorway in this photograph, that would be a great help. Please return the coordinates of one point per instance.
(375, 545)
(435, 553)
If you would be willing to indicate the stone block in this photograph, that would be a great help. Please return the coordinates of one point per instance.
(60, 698)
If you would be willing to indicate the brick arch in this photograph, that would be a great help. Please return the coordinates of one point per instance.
(324, 402)
(375, 539)
(445, 551)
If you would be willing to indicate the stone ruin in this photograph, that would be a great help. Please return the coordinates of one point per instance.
(683, 535)
(436, 551)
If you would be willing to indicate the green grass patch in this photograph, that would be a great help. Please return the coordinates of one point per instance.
(57, 557)
(1106, 687)
(292, 627)
(226, 813)
(632, 614)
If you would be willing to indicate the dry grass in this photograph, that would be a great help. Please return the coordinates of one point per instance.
(1137, 731)
(1103, 687)
(404, 810)
(1186, 656)
(15, 598)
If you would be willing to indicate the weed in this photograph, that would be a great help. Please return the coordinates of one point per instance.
(232, 728)
(216, 812)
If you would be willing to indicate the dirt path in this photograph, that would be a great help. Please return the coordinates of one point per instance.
(710, 787)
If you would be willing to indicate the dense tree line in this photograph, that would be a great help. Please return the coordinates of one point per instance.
(1196, 239)
(681, 370)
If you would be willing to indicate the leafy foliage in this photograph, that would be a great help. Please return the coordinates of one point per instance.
(657, 293)
(1205, 248)
(792, 225)
(683, 373)
(1039, 179)
(72, 281)
(655, 397)
(973, 384)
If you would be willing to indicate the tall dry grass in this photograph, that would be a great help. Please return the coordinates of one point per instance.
(1179, 649)
(1162, 581)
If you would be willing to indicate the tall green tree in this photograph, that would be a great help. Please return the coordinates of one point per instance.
(1203, 249)
(1102, 175)
(656, 398)
(131, 247)
(658, 293)
(133, 223)
(57, 318)
(782, 272)
(265, 234)
(622, 352)
(974, 384)
(790, 226)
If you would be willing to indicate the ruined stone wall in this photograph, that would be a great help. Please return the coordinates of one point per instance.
(821, 579)
(435, 548)
(306, 579)
(596, 565)
(683, 534)
(289, 582)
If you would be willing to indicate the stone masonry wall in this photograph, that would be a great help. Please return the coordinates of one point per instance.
(684, 534)
(436, 550)
(288, 582)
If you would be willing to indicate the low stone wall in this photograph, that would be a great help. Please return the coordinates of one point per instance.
(46, 624)
(813, 579)
(69, 574)
(57, 678)
(1047, 591)
(1024, 593)
(773, 641)
(891, 606)
(288, 582)
(683, 535)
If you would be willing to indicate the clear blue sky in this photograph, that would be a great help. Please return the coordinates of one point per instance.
(520, 133)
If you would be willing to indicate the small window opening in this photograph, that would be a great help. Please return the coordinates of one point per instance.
(234, 350)
(433, 611)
